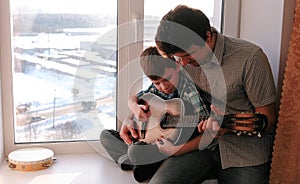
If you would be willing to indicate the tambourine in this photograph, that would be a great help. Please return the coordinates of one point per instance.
(31, 159)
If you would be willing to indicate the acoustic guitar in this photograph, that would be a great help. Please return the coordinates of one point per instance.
(168, 119)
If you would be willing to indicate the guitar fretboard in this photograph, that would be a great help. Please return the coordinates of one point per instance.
(187, 121)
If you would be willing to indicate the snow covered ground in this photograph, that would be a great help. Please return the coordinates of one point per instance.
(53, 86)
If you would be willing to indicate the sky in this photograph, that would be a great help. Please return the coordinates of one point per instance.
(67, 6)
(156, 7)
(161, 7)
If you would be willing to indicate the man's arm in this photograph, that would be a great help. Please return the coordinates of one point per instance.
(212, 126)
(270, 112)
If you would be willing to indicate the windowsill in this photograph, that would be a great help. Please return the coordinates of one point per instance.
(89, 168)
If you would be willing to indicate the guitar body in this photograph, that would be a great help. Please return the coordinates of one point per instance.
(159, 108)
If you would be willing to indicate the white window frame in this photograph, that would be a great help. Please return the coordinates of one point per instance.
(128, 11)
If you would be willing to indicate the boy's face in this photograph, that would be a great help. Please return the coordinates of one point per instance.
(168, 82)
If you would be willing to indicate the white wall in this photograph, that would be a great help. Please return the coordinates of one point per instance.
(1, 122)
(261, 23)
(268, 23)
(1, 128)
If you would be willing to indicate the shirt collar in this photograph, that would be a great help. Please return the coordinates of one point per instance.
(219, 48)
(215, 58)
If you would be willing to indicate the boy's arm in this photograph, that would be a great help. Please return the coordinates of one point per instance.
(140, 111)
(132, 102)
(128, 132)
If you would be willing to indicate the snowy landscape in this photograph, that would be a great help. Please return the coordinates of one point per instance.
(63, 87)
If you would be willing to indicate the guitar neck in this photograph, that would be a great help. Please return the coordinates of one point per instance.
(242, 122)
(187, 121)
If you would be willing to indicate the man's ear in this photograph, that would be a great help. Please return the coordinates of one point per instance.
(209, 37)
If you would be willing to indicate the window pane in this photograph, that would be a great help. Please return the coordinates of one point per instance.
(156, 9)
(64, 73)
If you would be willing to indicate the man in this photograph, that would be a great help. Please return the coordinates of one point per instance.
(249, 87)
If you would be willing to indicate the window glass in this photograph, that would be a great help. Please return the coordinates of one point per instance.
(65, 64)
(64, 69)
(156, 9)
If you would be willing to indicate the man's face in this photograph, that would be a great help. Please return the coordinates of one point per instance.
(193, 56)
(168, 82)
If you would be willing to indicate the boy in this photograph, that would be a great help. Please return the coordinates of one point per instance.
(168, 82)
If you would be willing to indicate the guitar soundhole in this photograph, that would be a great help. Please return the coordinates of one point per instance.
(166, 121)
